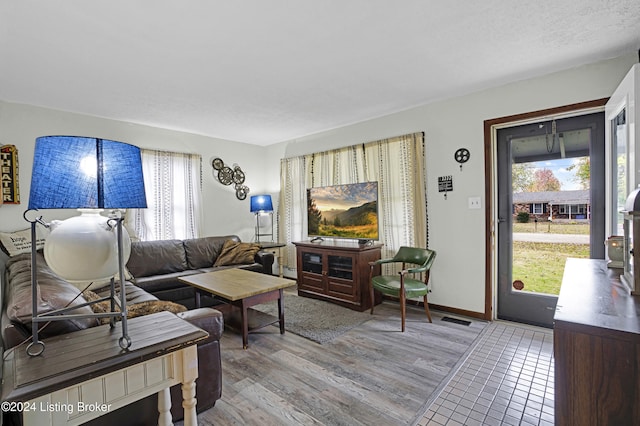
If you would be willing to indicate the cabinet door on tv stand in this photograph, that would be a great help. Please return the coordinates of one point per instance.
(312, 282)
(340, 277)
(311, 271)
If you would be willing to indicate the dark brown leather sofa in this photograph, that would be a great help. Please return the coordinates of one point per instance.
(158, 265)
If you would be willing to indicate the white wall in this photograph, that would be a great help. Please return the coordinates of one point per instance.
(457, 233)
(224, 214)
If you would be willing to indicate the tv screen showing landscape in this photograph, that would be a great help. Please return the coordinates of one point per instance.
(343, 211)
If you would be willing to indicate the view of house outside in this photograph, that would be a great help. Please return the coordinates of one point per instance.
(551, 221)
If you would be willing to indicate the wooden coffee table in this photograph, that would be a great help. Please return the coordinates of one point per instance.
(242, 289)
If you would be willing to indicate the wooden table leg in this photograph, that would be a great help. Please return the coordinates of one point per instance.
(280, 265)
(189, 376)
(244, 319)
(198, 303)
(164, 408)
(281, 310)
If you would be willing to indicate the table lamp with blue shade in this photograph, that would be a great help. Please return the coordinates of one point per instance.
(88, 174)
(262, 204)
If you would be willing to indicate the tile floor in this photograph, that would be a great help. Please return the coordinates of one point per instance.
(506, 380)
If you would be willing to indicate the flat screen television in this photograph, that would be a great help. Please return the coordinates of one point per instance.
(347, 211)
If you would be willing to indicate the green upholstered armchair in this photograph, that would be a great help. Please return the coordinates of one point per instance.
(405, 285)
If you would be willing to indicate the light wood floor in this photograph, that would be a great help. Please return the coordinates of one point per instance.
(373, 374)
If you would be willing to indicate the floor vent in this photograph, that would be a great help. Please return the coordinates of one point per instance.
(456, 321)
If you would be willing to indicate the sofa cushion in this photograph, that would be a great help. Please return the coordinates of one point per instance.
(254, 267)
(202, 252)
(208, 319)
(55, 293)
(93, 285)
(156, 257)
(157, 283)
(132, 293)
(237, 253)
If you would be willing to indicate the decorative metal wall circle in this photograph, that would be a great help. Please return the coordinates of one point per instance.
(217, 163)
(238, 175)
(226, 176)
(241, 192)
(462, 155)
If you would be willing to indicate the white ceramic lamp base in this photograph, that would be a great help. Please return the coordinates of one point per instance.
(84, 248)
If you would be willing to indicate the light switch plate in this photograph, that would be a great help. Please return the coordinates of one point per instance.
(475, 202)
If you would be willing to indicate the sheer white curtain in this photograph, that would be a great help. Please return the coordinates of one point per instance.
(397, 164)
(173, 184)
(292, 207)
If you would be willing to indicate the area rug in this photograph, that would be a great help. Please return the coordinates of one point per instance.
(313, 319)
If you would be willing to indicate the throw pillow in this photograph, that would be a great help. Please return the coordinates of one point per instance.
(135, 310)
(237, 253)
(98, 307)
(14, 243)
(152, 307)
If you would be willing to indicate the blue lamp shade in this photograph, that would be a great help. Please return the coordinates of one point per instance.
(71, 172)
(261, 203)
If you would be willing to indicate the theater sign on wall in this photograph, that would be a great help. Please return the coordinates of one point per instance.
(9, 174)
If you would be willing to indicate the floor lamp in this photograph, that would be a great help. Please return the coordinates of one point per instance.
(88, 174)
(262, 204)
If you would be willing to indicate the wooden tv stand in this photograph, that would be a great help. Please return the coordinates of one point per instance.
(337, 272)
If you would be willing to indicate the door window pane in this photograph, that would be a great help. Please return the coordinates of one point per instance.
(620, 181)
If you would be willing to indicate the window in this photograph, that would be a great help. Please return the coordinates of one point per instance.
(173, 185)
(537, 208)
(402, 198)
(572, 209)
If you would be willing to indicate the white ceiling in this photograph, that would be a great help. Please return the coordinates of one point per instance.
(261, 72)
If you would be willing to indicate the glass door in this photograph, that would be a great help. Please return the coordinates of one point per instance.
(550, 207)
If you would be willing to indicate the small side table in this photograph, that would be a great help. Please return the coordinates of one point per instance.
(275, 248)
(85, 374)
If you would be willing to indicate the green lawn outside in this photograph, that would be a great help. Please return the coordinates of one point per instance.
(553, 227)
(540, 266)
